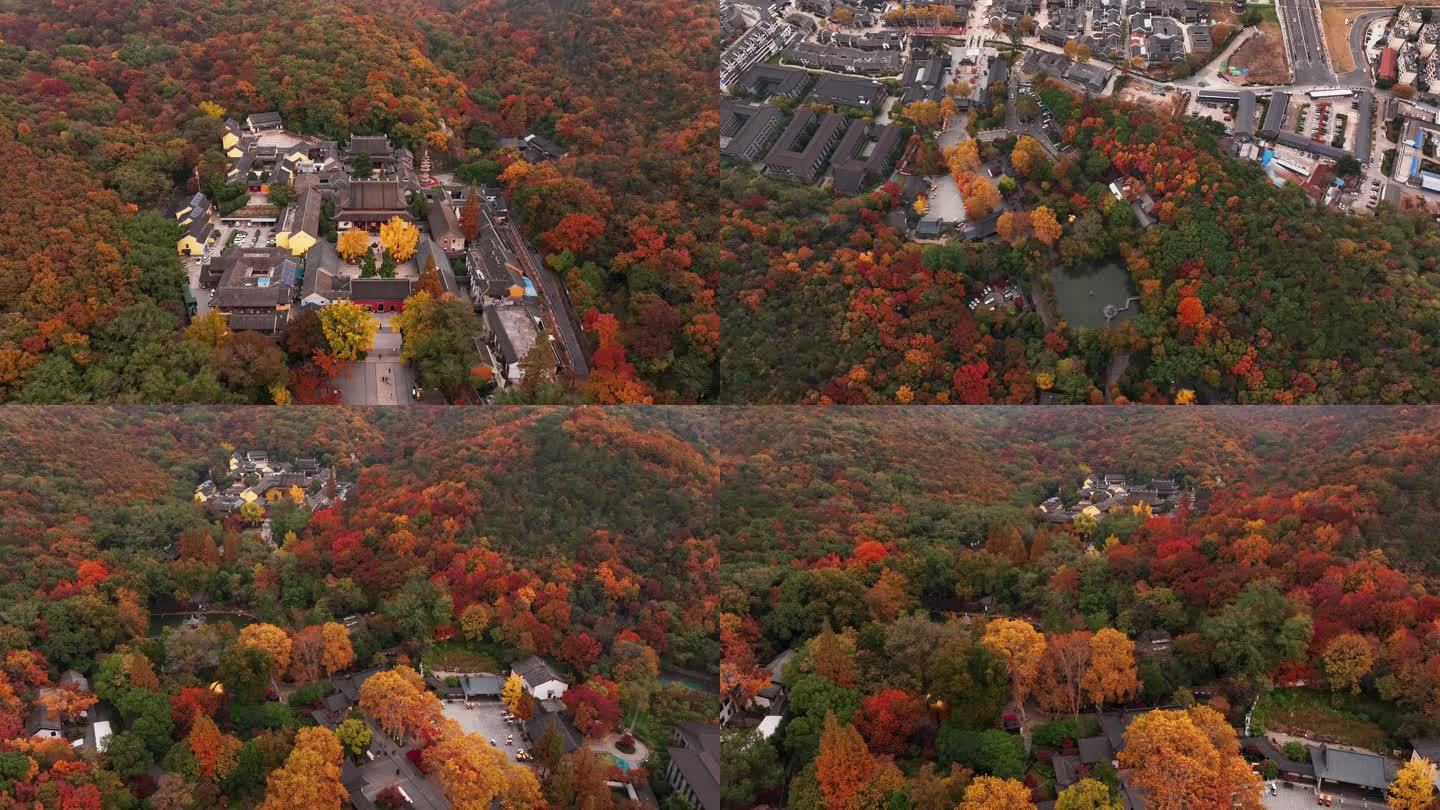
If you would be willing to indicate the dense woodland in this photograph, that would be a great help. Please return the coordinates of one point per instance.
(112, 110)
(858, 537)
(577, 535)
(1247, 292)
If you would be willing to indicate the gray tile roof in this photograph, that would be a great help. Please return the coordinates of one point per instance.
(1359, 768)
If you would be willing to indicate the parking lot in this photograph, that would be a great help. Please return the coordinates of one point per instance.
(487, 720)
(945, 200)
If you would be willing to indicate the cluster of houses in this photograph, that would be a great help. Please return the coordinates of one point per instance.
(869, 54)
(1084, 77)
(832, 132)
(757, 44)
(862, 13)
(1160, 32)
(1410, 55)
(1419, 131)
(766, 709)
(253, 477)
(1100, 495)
(361, 185)
(860, 152)
(259, 287)
(89, 733)
(693, 772)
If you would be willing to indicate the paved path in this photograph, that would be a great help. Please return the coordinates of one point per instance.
(382, 378)
(1118, 364)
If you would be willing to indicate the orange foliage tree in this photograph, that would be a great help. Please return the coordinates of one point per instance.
(310, 777)
(398, 701)
(338, 653)
(214, 751)
(1045, 226)
(1111, 675)
(979, 196)
(1028, 156)
(991, 792)
(1021, 647)
(1189, 758)
(1062, 672)
(271, 640)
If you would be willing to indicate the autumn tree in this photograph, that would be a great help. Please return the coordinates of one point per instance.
(1189, 758)
(963, 157)
(930, 790)
(474, 773)
(1348, 658)
(832, 660)
(889, 596)
(1190, 311)
(511, 691)
(978, 194)
(1045, 226)
(210, 329)
(307, 652)
(429, 281)
(1028, 157)
(524, 707)
(470, 219)
(352, 245)
(1021, 647)
(338, 653)
(574, 232)
(887, 719)
(1062, 672)
(310, 777)
(399, 703)
(924, 114)
(349, 329)
(580, 650)
(849, 775)
(1412, 788)
(67, 701)
(1111, 675)
(214, 751)
(474, 620)
(1077, 50)
(271, 640)
(991, 792)
(1087, 794)
(399, 238)
(354, 735)
(173, 792)
(1013, 226)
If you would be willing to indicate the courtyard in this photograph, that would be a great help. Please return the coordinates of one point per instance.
(382, 378)
(487, 719)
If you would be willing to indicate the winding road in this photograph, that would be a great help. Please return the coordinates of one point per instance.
(1361, 73)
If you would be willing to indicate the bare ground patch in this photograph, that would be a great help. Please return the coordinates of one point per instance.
(1337, 33)
(1264, 55)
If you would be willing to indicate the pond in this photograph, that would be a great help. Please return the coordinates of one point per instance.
(690, 680)
(1084, 296)
(159, 621)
